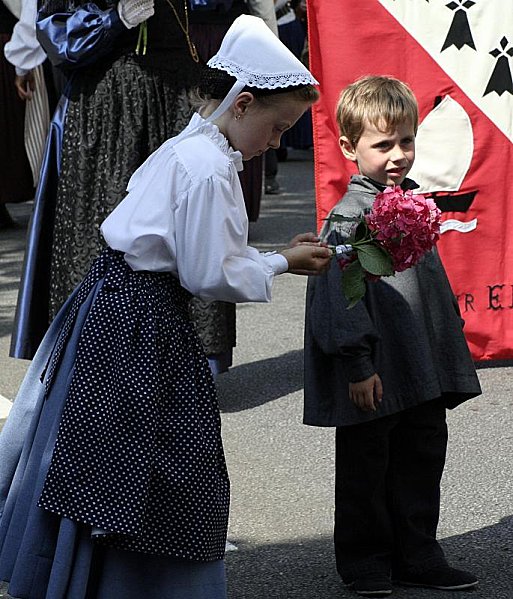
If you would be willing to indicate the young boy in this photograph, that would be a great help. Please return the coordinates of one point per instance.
(384, 371)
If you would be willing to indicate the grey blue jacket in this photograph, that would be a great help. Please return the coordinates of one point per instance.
(407, 329)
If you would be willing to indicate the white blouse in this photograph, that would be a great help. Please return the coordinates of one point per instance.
(184, 213)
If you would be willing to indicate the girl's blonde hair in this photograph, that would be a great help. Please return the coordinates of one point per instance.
(382, 101)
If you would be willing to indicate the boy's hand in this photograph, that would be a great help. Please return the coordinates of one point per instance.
(367, 394)
(307, 259)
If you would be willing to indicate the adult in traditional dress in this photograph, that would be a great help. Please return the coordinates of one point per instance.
(126, 94)
(15, 175)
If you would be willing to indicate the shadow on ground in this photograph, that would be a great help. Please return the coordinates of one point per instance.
(305, 569)
(250, 385)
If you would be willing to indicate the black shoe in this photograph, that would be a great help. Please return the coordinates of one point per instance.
(443, 578)
(272, 187)
(375, 585)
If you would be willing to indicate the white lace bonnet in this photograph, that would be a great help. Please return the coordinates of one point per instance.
(253, 54)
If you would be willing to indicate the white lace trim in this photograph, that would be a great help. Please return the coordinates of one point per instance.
(262, 80)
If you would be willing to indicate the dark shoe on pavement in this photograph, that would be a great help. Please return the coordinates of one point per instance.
(443, 578)
(272, 187)
(376, 585)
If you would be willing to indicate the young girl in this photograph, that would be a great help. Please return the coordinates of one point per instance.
(121, 489)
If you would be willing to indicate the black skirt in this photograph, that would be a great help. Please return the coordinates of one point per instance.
(16, 182)
(118, 114)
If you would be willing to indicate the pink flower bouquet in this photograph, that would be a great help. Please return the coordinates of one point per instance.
(399, 229)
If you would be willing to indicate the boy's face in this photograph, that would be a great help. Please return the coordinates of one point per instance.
(384, 157)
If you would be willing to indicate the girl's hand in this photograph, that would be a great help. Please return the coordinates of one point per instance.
(367, 394)
(305, 238)
(307, 258)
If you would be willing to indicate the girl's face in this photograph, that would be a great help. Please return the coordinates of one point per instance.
(258, 126)
(384, 157)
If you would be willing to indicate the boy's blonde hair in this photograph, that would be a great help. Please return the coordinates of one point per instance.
(384, 102)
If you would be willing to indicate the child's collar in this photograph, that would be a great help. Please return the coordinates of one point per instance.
(198, 124)
(405, 185)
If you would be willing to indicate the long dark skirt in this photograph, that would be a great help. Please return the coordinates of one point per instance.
(16, 183)
(107, 123)
(116, 117)
(300, 136)
(45, 554)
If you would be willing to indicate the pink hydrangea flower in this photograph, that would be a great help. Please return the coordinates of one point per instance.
(399, 229)
(405, 224)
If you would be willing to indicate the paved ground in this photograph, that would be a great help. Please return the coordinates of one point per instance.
(282, 471)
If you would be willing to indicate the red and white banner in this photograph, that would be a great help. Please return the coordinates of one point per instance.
(457, 56)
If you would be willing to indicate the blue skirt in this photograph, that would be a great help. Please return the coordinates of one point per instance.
(46, 556)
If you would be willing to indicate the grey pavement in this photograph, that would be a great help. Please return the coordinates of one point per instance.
(282, 471)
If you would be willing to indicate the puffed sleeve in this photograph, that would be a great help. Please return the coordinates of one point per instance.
(23, 49)
(213, 258)
(79, 38)
(348, 333)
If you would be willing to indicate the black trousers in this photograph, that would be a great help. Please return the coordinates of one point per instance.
(271, 163)
(387, 493)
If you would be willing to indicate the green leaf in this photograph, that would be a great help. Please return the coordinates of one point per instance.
(375, 260)
(361, 232)
(353, 283)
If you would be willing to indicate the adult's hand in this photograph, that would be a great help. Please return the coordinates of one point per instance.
(134, 12)
(25, 85)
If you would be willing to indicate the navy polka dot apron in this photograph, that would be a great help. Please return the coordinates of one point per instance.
(139, 454)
